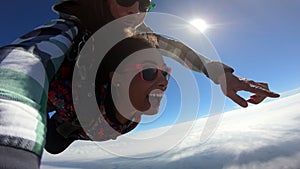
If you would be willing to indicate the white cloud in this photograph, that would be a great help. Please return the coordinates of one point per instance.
(263, 136)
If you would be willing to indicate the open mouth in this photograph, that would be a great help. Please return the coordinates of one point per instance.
(155, 97)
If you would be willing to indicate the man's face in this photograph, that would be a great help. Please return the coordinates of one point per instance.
(118, 11)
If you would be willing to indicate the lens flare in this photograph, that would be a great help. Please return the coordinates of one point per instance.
(199, 24)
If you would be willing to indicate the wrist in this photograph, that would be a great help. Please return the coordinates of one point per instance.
(217, 70)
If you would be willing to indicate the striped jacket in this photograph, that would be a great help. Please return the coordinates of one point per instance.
(25, 69)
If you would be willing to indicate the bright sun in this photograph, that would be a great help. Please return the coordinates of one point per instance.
(199, 24)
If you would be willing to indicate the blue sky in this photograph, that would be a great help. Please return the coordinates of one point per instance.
(259, 39)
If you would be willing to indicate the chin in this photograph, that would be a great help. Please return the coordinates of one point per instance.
(151, 111)
(148, 108)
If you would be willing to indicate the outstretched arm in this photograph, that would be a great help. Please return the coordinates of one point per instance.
(218, 72)
(192, 60)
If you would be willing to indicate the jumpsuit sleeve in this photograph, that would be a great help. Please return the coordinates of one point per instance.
(26, 67)
(189, 57)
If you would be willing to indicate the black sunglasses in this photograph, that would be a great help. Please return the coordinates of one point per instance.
(145, 5)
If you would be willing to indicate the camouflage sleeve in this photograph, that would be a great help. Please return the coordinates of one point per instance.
(189, 57)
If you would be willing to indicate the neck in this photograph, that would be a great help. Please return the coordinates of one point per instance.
(122, 119)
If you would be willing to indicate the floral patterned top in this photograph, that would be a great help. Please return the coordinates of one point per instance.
(104, 127)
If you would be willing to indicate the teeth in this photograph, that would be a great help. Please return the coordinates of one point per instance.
(156, 95)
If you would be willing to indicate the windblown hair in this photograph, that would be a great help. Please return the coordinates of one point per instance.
(122, 50)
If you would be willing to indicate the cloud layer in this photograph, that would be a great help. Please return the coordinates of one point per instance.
(263, 136)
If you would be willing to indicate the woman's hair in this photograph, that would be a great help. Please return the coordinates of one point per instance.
(122, 50)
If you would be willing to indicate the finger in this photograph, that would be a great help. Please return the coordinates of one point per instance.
(251, 101)
(254, 87)
(256, 100)
(238, 99)
(265, 87)
(253, 97)
(261, 84)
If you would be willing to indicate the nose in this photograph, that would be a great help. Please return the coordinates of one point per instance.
(162, 82)
(133, 9)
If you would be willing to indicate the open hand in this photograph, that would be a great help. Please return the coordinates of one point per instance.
(231, 84)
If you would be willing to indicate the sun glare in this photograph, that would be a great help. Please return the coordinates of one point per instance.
(199, 24)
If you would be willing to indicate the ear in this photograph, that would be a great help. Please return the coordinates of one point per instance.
(115, 79)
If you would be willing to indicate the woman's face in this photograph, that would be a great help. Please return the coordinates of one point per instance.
(144, 87)
(118, 11)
